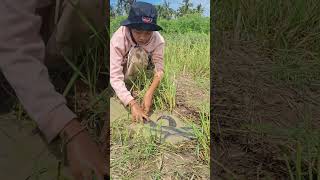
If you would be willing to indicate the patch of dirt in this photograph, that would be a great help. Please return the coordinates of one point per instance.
(26, 155)
(189, 97)
(169, 165)
(245, 95)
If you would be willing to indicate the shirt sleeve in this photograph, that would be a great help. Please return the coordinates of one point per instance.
(157, 58)
(116, 70)
(22, 55)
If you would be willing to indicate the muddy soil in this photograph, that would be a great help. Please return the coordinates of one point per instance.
(190, 98)
(24, 154)
(245, 95)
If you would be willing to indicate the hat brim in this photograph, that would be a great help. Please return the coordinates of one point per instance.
(141, 26)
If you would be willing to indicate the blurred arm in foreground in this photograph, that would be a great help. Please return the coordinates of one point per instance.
(22, 53)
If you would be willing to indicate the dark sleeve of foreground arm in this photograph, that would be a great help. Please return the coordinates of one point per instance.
(21, 61)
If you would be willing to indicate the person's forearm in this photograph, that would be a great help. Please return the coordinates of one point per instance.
(155, 83)
(22, 54)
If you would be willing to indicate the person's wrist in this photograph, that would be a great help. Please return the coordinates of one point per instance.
(70, 129)
(135, 107)
(132, 103)
(67, 134)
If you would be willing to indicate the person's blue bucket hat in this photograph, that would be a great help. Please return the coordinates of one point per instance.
(142, 16)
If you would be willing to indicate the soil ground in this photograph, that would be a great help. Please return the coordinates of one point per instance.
(245, 99)
(24, 154)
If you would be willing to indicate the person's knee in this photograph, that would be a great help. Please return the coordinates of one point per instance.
(139, 57)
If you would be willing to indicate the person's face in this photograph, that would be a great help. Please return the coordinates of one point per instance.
(141, 37)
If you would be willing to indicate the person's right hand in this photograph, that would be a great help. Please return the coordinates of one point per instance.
(137, 113)
(83, 154)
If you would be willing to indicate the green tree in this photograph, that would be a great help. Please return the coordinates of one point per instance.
(127, 5)
(199, 9)
(185, 8)
(123, 7)
(119, 8)
(164, 10)
(112, 11)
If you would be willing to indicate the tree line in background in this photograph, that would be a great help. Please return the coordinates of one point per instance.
(164, 10)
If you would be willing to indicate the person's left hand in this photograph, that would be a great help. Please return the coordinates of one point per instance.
(83, 154)
(147, 102)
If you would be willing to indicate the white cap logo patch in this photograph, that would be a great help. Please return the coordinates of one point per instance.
(146, 20)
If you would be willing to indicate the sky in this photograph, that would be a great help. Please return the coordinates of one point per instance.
(174, 4)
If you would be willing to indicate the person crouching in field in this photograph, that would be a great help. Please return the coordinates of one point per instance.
(136, 45)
